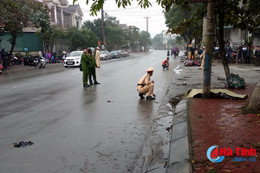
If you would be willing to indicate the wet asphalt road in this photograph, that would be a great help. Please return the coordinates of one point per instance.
(75, 129)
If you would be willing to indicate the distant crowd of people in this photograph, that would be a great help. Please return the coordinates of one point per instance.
(246, 53)
(51, 57)
(243, 54)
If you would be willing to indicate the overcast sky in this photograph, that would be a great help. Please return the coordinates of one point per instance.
(132, 15)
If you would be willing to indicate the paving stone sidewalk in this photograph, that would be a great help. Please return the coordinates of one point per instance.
(199, 124)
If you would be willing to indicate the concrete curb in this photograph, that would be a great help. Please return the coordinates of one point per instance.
(179, 156)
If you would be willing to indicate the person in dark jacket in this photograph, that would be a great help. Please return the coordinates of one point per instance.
(248, 55)
(85, 63)
(4, 58)
(257, 56)
(92, 69)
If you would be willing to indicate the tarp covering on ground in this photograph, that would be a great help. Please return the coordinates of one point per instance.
(215, 93)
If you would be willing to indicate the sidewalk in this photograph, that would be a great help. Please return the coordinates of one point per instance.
(221, 122)
(202, 123)
(21, 68)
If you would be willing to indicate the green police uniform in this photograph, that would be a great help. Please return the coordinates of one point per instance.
(92, 69)
(85, 63)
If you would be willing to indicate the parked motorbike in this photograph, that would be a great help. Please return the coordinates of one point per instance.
(42, 62)
(15, 61)
(31, 60)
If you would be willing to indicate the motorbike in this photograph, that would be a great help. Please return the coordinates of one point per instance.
(42, 62)
(15, 61)
(31, 60)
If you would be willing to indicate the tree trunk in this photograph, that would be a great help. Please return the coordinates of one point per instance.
(222, 43)
(209, 50)
(254, 103)
(13, 42)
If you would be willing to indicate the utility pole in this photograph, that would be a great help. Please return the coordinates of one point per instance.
(103, 28)
(147, 23)
(145, 46)
(209, 49)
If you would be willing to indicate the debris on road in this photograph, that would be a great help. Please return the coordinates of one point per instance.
(22, 144)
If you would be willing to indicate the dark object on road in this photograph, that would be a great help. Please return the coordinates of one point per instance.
(184, 83)
(235, 81)
(23, 144)
(191, 63)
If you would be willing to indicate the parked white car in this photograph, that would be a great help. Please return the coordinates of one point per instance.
(73, 59)
(105, 55)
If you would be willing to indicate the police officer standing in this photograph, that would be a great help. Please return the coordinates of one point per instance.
(85, 63)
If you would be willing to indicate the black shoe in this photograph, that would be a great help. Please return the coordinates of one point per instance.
(141, 96)
(86, 85)
(91, 84)
(96, 83)
(150, 98)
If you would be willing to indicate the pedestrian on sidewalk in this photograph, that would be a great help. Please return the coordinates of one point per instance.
(202, 56)
(146, 86)
(97, 57)
(216, 49)
(92, 69)
(248, 54)
(244, 51)
(229, 52)
(63, 55)
(257, 56)
(4, 58)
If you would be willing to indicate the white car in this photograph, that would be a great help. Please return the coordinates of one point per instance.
(73, 59)
(105, 55)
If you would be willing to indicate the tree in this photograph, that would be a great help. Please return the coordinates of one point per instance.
(158, 41)
(133, 35)
(115, 35)
(16, 15)
(145, 40)
(95, 27)
(79, 39)
(49, 35)
(186, 20)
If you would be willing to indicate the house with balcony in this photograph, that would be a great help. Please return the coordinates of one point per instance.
(72, 16)
(61, 14)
